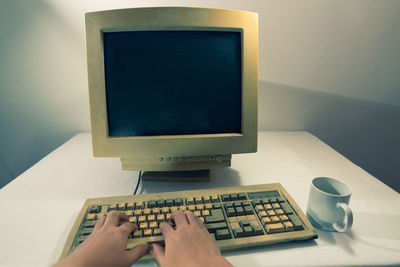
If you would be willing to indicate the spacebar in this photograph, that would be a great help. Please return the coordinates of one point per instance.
(132, 242)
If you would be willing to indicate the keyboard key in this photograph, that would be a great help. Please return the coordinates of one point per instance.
(246, 203)
(266, 220)
(121, 206)
(214, 198)
(132, 219)
(259, 207)
(95, 209)
(91, 216)
(178, 202)
(165, 210)
(239, 211)
(137, 212)
(146, 211)
(190, 201)
(86, 231)
(152, 204)
(296, 222)
(216, 216)
(217, 206)
(258, 230)
(242, 196)
(157, 231)
(191, 207)
(198, 200)
(271, 212)
(265, 201)
(237, 204)
(275, 219)
(161, 203)
(205, 213)
(288, 226)
(143, 225)
(279, 212)
(147, 232)
(139, 205)
(280, 199)
(244, 223)
(222, 234)
(200, 207)
(130, 205)
(151, 217)
(230, 212)
(90, 223)
(248, 210)
(160, 217)
(81, 239)
(268, 206)
(238, 232)
(174, 209)
(212, 227)
(207, 199)
(274, 228)
(169, 202)
(156, 211)
(286, 208)
(262, 213)
(276, 206)
(128, 213)
(234, 196)
(225, 197)
(112, 207)
(284, 218)
(137, 234)
(248, 231)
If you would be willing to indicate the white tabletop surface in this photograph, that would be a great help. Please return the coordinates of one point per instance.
(39, 207)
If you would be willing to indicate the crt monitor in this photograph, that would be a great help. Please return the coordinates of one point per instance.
(172, 88)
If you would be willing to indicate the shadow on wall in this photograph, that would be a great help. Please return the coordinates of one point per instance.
(43, 95)
(367, 133)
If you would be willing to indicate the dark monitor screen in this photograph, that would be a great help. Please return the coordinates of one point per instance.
(173, 82)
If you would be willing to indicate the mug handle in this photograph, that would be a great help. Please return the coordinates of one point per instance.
(348, 218)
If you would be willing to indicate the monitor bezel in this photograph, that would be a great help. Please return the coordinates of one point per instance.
(171, 19)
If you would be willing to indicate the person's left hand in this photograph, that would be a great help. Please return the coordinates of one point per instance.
(105, 246)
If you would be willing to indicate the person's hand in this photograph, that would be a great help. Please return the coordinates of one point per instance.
(189, 245)
(105, 246)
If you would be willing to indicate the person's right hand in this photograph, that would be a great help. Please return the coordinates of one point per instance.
(189, 245)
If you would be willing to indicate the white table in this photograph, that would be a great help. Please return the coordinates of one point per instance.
(39, 207)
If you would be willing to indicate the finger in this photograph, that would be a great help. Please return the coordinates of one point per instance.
(127, 228)
(158, 253)
(179, 218)
(99, 224)
(114, 217)
(136, 253)
(192, 219)
(166, 230)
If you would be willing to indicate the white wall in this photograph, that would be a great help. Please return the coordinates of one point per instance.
(342, 48)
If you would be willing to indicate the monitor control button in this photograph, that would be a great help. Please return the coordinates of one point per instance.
(168, 159)
(161, 159)
(219, 159)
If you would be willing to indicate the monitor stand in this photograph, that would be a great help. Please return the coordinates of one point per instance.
(177, 176)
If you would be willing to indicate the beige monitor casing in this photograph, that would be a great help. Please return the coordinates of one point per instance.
(173, 152)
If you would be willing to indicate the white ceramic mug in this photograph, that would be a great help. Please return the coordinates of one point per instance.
(328, 205)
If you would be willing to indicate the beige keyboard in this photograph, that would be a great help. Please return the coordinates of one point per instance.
(236, 217)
